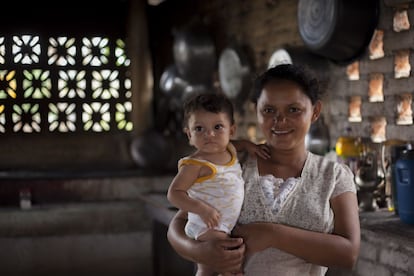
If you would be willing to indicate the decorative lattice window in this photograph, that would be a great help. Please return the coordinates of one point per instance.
(64, 84)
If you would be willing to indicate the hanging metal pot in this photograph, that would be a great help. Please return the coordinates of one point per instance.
(234, 73)
(194, 89)
(318, 138)
(339, 30)
(194, 55)
(152, 150)
(172, 83)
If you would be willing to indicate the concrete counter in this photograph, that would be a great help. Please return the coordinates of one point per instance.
(72, 218)
(165, 261)
(106, 238)
(387, 244)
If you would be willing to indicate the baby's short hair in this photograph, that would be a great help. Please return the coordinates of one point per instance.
(211, 102)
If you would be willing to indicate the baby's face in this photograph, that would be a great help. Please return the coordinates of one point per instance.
(209, 132)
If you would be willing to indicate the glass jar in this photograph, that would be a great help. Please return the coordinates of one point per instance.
(347, 146)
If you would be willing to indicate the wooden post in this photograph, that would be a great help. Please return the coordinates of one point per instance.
(141, 67)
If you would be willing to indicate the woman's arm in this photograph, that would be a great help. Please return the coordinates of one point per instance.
(339, 249)
(221, 255)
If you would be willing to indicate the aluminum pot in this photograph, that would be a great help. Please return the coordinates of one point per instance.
(318, 139)
(172, 83)
(194, 55)
(339, 30)
(151, 150)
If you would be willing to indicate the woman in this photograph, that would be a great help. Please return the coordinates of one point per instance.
(300, 211)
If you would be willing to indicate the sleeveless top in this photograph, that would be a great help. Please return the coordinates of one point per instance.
(223, 189)
(306, 206)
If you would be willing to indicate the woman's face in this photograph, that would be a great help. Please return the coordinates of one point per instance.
(284, 114)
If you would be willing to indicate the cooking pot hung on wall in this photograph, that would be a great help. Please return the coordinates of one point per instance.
(339, 30)
(234, 71)
(194, 54)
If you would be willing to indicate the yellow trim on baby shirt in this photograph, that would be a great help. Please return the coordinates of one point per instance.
(189, 161)
(233, 154)
(192, 161)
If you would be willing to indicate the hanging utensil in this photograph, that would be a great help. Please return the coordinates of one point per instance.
(339, 30)
(172, 83)
(194, 55)
(318, 139)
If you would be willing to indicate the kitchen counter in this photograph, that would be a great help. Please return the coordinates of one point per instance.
(387, 246)
(383, 236)
(158, 207)
(381, 221)
(166, 262)
(384, 222)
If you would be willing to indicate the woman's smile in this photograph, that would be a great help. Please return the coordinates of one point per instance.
(279, 132)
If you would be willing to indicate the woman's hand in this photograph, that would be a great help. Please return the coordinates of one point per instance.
(222, 255)
(255, 236)
(261, 150)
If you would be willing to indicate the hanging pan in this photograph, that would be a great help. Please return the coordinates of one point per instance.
(339, 30)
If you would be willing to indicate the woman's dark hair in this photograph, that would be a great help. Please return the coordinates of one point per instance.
(211, 102)
(294, 73)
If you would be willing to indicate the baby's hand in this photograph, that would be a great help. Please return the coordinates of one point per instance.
(210, 216)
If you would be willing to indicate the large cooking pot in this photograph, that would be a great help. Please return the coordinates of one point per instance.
(194, 55)
(318, 139)
(339, 30)
(235, 73)
(172, 83)
(152, 150)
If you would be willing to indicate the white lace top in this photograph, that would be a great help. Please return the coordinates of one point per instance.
(276, 190)
(301, 202)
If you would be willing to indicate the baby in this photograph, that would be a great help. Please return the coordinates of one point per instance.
(209, 183)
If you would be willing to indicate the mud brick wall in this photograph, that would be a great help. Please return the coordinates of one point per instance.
(342, 89)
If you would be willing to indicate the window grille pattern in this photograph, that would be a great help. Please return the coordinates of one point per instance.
(64, 84)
